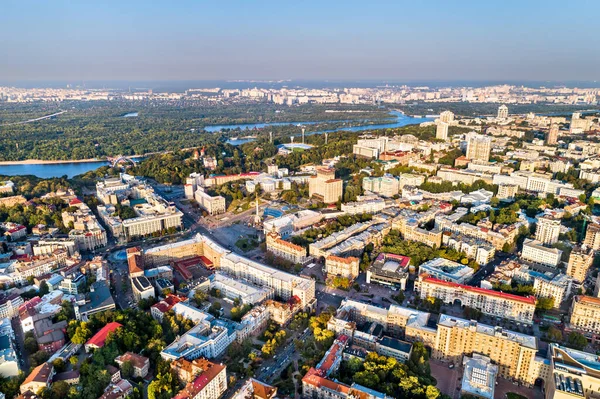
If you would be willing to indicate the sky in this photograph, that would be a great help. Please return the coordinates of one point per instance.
(314, 40)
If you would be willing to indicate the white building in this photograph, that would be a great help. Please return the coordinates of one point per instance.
(534, 251)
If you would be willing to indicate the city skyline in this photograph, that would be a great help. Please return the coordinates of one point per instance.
(270, 41)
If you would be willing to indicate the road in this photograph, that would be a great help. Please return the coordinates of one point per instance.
(272, 368)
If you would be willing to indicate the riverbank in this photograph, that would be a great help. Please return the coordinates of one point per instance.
(49, 162)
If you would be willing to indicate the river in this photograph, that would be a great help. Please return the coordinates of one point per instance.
(70, 169)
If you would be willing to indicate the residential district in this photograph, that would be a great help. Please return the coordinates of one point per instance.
(460, 266)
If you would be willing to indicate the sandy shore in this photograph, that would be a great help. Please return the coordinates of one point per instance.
(42, 162)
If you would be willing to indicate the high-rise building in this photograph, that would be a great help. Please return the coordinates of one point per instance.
(592, 236)
(503, 112)
(447, 116)
(441, 131)
(552, 135)
(478, 147)
(547, 230)
(325, 187)
(580, 261)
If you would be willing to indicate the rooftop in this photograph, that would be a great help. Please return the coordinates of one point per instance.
(99, 338)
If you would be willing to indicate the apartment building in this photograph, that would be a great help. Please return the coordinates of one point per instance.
(592, 236)
(285, 249)
(447, 270)
(386, 185)
(140, 363)
(209, 381)
(238, 289)
(324, 187)
(87, 231)
(344, 267)
(441, 131)
(580, 261)
(213, 205)
(534, 251)
(585, 315)
(478, 147)
(574, 374)
(514, 353)
(493, 303)
(547, 230)
(479, 250)
(507, 192)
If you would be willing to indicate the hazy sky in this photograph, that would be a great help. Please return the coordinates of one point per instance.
(227, 39)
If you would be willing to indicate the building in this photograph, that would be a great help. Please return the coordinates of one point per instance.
(389, 269)
(479, 250)
(286, 250)
(120, 389)
(98, 300)
(142, 288)
(99, 339)
(514, 353)
(86, 231)
(369, 206)
(9, 360)
(592, 236)
(551, 285)
(9, 305)
(213, 205)
(585, 315)
(255, 389)
(441, 131)
(479, 376)
(580, 261)
(503, 112)
(209, 338)
(392, 347)
(40, 377)
(7, 187)
(552, 137)
(209, 382)
(239, 289)
(547, 230)
(534, 251)
(159, 309)
(324, 187)
(478, 147)
(386, 185)
(343, 267)
(140, 363)
(507, 192)
(447, 270)
(574, 374)
(493, 303)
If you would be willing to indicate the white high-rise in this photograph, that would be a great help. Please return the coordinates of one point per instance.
(478, 147)
(552, 135)
(547, 230)
(447, 116)
(503, 112)
(441, 131)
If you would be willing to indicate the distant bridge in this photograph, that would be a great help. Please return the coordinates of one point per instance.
(114, 161)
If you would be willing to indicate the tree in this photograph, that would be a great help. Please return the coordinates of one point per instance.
(60, 389)
(43, 288)
(543, 304)
(554, 334)
(577, 340)
(127, 369)
(215, 309)
(59, 365)
(82, 333)
(200, 297)
(30, 344)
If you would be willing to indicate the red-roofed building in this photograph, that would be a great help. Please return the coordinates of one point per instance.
(98, 340)
(159, 309)
(16, 233)
(209, 383)
(135, 261)
(490, 302)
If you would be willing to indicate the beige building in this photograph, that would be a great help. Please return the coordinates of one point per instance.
(325, 187)
(344, 267)
(575, 374)
(441, 131)
(592, 236)
(493, 303)
(507, 191)
(386, 186)
(547, 230)
(514, 353)
(212, 205)
(285, 249)
(478, 147)
(585, 315)
(502, 112)
(552, 137)
(580, 261)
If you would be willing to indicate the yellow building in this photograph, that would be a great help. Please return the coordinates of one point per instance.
(592, 236)
(325, 187)
(585, 315)
(344, 267)
(580, 261)
(285, 249)
(514, 353)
